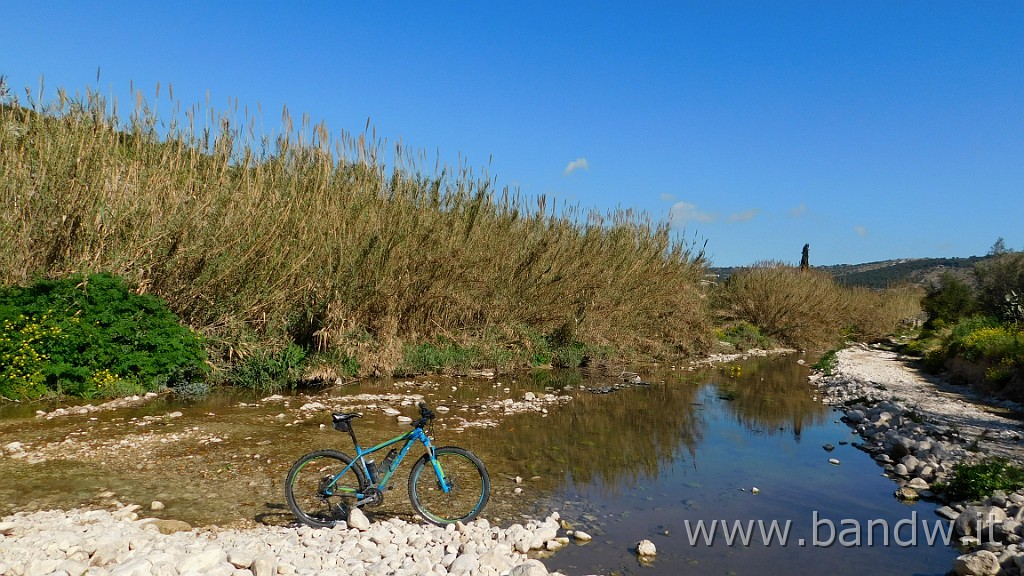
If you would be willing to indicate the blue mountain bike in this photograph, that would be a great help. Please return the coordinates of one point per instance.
(447, 484)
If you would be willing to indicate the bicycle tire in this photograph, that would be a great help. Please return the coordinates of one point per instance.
(468, 496)
(305, 490)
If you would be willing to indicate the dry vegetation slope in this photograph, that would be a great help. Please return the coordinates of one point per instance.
(258, 240)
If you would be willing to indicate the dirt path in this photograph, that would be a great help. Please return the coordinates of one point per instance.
(996, 424)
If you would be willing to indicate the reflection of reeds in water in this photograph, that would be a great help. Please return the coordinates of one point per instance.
(769, 396)
(608, 440)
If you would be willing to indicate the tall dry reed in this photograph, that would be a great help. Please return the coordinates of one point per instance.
(807, 309)
(258, 239)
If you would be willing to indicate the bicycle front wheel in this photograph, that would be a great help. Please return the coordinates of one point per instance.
(467, 479)
(313, 495)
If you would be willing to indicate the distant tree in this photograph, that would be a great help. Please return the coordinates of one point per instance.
(949, 300)
(805, 259)
(999, 248)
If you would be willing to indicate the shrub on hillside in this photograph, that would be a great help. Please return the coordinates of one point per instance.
(90, 336)
(999, 277)
(949, 300)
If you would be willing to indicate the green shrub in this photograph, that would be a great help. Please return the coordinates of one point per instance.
(983, 338)
(90, 336)
(949, 300)
(979, 480)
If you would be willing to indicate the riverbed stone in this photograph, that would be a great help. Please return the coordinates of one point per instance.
(646, 548)
(980, 563)
(581, 536)
(918, 484)
(203, 562)
(358, 520)
(906, 493)
(947, 512)
(976, 520)
(529, 568)
(468, 563)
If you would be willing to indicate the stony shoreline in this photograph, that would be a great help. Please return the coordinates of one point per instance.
(917, 428)
(119, 543)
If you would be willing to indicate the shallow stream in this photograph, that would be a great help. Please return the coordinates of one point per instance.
(640, 462)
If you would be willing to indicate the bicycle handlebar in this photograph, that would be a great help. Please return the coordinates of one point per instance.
(426, 415)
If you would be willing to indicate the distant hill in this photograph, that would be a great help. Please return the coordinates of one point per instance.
(888, 273)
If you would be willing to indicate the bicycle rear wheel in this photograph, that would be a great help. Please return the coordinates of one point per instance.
(313, 497)
(467, 478)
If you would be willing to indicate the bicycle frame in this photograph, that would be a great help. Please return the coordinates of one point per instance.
(410, 438)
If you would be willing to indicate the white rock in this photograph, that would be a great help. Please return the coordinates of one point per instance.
(646, 548)
(918, 484)
(358, 520)
(581, 536)
(467, 563)
(529, 568)
(264, 565)
(203, 562)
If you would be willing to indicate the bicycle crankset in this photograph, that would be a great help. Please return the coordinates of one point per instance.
(371, 497)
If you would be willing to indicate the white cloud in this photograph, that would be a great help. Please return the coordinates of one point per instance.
(667, 197)
(799, 210)
(682, 212)
(745, 216)
(861, 231)
(577, 164)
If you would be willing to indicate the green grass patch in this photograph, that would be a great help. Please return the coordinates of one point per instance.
(979, 480)
(827, 363)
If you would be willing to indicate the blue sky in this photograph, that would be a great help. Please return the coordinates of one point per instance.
(869, 129)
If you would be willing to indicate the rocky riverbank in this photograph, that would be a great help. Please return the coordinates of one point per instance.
(917, 428)
(119, 543)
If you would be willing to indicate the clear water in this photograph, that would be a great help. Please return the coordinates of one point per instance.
(693, 448)
(637, 463)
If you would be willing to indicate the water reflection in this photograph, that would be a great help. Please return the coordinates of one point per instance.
(769, 397)
(608, 439)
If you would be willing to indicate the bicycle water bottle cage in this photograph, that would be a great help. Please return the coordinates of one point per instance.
(341, 421)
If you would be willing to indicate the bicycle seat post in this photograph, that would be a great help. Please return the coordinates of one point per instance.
(352, 433)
